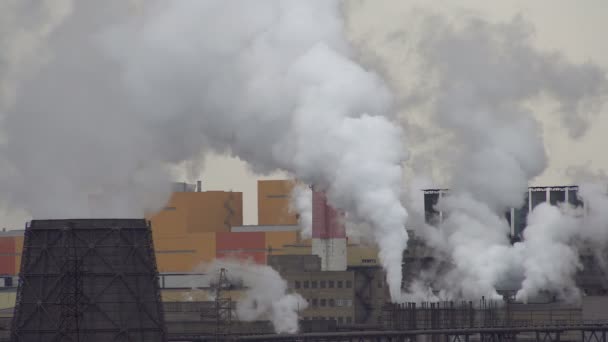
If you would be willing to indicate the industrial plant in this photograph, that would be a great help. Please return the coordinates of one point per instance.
(398, 142)
(132, 280)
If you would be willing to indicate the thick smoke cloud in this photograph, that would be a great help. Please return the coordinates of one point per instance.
(266, 294)
(549, 260)
(485, 76)
(126, 93)
(288, 96)
(555, 239)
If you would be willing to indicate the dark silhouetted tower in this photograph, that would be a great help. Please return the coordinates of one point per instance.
(88, 280)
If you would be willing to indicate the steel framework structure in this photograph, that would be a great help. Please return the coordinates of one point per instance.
(88, 280)
(537, 334)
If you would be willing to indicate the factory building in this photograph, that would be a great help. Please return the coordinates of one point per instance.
(590, 279)
(188, 230)
(516, 217)
(274, 203)
(350, 296)
(342, 280)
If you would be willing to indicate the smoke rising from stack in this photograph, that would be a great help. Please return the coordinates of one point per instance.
(485, 76)
(123, 95)
(266, 294)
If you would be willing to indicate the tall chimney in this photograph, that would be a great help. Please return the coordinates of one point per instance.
(199, 186)
(328, 234)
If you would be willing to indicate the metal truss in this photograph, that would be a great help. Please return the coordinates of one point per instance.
(547, 336)
(593, 335)
(88, 280)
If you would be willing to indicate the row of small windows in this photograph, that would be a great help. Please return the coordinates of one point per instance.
(313, 284)
(314, 302)
(340, 320)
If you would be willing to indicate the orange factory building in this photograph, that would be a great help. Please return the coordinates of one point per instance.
(198, 226)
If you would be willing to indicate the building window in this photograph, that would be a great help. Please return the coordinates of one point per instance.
(349, 284)
(330, 284)
(339, 302)
(332, 302)
(349, 320)
(340, 320)
(340, 284)
(348, 302)
(305, 284)
(315, 302)
(313, 284)
(380, 283)
(323, 284)
(323, 302)
(297, 284)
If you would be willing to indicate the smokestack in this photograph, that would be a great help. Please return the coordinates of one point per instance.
(328, 234)
(199, 186)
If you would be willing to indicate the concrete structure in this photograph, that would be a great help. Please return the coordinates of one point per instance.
(274, 198)
(328, 234)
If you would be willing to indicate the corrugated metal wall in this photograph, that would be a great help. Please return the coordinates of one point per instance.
(276, 241)
(184, 253)
(199, 212)
(7, 255)
(242, 246)
(273, 202)
(326, 221)
(319, 221)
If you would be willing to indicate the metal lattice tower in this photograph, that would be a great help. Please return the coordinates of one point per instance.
(223, 307)
(71, 292)
(88, 280)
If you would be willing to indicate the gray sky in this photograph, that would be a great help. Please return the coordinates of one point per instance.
(571, 27)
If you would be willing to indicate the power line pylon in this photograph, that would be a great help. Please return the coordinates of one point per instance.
(223, 307)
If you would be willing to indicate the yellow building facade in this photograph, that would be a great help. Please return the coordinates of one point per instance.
(274, 202)
(184, 231)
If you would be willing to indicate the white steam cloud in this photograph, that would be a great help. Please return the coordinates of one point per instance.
(124, 94)
(485, 76)
(301, 203)
(554, 240)
(265, 296)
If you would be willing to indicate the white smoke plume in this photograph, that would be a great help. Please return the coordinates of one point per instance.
(288, 96)
(301, 203)
(485, 75)
(124, 94)
(548, 259)
(266, 294)
(555, 239)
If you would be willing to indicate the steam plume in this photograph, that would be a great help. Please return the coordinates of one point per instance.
(485, 75)
(123, 95)
(554, 240)
(266, 296)
(301, 203)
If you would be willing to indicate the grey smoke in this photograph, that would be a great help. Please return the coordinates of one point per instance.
(484, 77)
(556, 237)
(126, 94)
